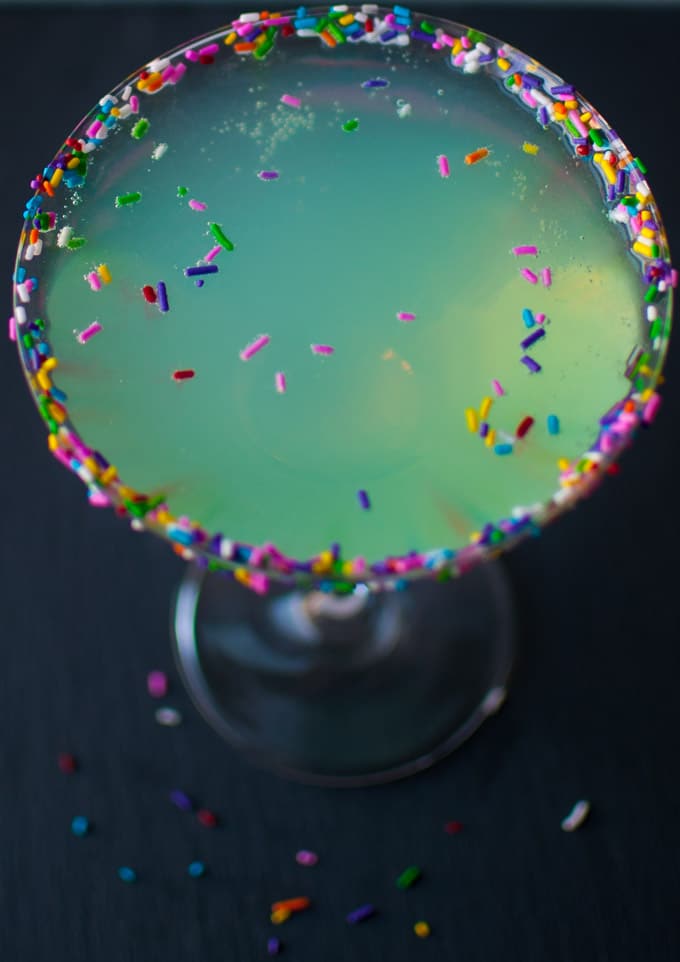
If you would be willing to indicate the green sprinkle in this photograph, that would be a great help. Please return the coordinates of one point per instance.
(122, 200)
(408, 877)
(510, 82)
(597, 137)
(629, 201)
(655, 329)
(27, 341)
(221, 237)
(496, 536)
(650, 294)
(426, 27)
(321, 24)
(350, 125)
(571, 128)
(335, 32)
(75, 243)
(261, 52)
(640, 166)
(474, 36)
(182, 191)
(140, 129)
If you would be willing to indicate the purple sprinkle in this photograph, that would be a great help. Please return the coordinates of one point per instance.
(420, 35)
(273, 946)
(621, 181)
(611, 192)
(201, 269)
(377, 82)
(532, 338)
(162, 294)
(565, 89)
(533, 366)
(199, 282)
(364, 500)
(391, 34)
(543, 116)
(181, 800)
(364, 911)
(268, 175)
(530, 81)
(483, 429)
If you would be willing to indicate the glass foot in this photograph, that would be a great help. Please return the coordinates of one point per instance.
(350, 690)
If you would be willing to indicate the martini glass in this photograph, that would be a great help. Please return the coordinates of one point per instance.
(352, 300)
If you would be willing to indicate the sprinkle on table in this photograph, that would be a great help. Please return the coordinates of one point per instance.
(185, 374)
(525, 249)
(374, 83)
(200, 270)
(297, 904)
(221, 237)
(408, 877)
(198, 205)
(406, 316)
(251, 349)
(360, 914)
(196, 869)
(168, 717)
(476, 156)
(127, 874)
(471, 420)
(576, 816)
(274, 946)
(80, 826)
(422, 930)
(157, 684)
(553, 424)
(89, 332)
(162, 294)
(536, 335)
(291, 101)
(67, 763)
(529, 275)
(524, 426)
(207, 818)
(149, 294)
(350, 125)
(140, 129)
(532, 365)
(268, 174)
(363, 499)
(443, 165)
(530, 148)
(159, 151)
(528, 317)
(181, 800)
(280, 382)
(322, 349)
(498, 388)
(306, 858)
(503, 449)
(546, 277)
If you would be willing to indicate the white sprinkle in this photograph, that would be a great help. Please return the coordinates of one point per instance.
(404, 110)
(169, 717)
(576, 816)
(159, 151)
(64, 236)
(20, 315)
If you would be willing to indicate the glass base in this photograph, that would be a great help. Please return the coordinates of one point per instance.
(350, 690)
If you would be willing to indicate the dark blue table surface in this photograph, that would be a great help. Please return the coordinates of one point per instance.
(593, 711)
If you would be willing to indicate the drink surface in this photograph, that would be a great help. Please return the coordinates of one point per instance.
(349, 213)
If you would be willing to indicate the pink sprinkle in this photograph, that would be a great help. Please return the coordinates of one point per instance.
(180, 70)
(524, 249)
(212, 253)
(459, 59)
(157, 684)
(209, 51)
(529, 275)
(291, 101)
(498, 388)
(254, 347)
(89, 332)
(539, 318)
(443, 164)
(97, 498)
(134, 103)
(305, 857)
(546, 275)
(276, 21)
(197, 205)
(94, 128)
(191, 55)
(280, 382)
(94, 281)
(12, 329)
(168, 75)
(405, 316)
(322, 349)
(258, 583)
(674, 278)
(651, 408)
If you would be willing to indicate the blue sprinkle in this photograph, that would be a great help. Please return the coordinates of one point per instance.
(80, 826)
(503, 449)
(528, 317)
(553, 424)
(377, 82)
(401, 11)
(181, 800)
(127, 874)
(364, 500)
(196, 869)
(58, 395)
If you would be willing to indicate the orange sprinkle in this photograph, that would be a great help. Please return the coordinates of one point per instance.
(244, 47)
(329, 39)
(292, 905)
(476, 155)
(48, 188)
(34, 236)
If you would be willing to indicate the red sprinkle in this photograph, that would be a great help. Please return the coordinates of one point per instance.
(524, 426)
(452, 828)
(614, 468)
(149, 294)
(207, 818)
(67, 763)
(206, 59)
(287, 30)
(183, 375)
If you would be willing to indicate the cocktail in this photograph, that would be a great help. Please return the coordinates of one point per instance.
(343, 303)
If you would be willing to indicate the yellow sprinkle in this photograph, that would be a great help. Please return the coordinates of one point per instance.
(641, 198)
(56, 413)
(645, 370)
(73, 163)
(109, 475)
(163, 516)
(645, 215)
(55, 179)
(586, 116)
(484, 408)
(279, 915)
(422, 930)
(115, 112)
(528, 148)
(642, 249)
(646, 394)
(563, 464)
(323, 562)
(125, 492)
(648, 232)
(490, 438)
(243, 576)
(230, 37)
(609, 171)
(50, 363)
(43, 379)
(475, 537)
(104, 273)
(261, 39)
(91, 465)
(346, 20)
(503, 63)
(471, 419)
(457, 46)
(52, 442)
(571, 104)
